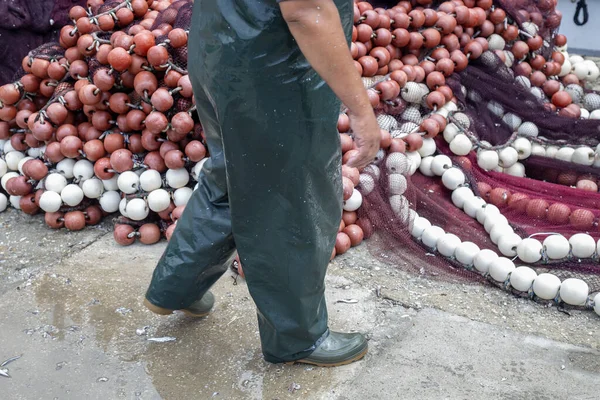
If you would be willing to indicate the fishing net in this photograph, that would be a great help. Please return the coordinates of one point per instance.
(493, 103)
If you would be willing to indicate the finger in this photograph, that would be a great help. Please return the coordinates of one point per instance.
(360, 160)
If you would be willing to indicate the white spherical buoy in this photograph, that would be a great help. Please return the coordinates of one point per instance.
(453, 178)
(460, 195)
(580, 70)
(109, 201)
(508, 156)
(366, 183)
(8, 176)
(23, 161)
(512, 120)
(450, 106)
(593, 70)
(500, 230)
(546, 286)
(36, 152)
(419, 225)
(397, 163)
(387, 122)
(597, 304)
(485, 211)
(530, 250)
(447, 244)
(3, 202)
(400, 207)
(182, 196)
(428, 148)
(522, 278)
(495, 108)
(556, 247)
(72, 195)
(465, 253)
(501, 268)
(584, 114)
(583, 155)
(398, 184)
(488, 159)
(523, 81)
(3, 167)
(493, 220)
(461, 145)
(414, 161)
(372, 170)
(354, 202)
(159, 200)
(473, 205)
(83, 170)
(440, 164)
(517, 169)
(50, 201)
(112, 183)
(123, 207)
(6, 146)
(431, 236)
(55, 182)
(496, 42)
(450, 131)
(65, 167)
(574, 291)
(462, 120)
(137, 209)
(177, 178)
(128, 182)
(425, 167)
(412, 92)
(551, 151)
(565, 154)
(507, 244)
(509, 58)
(582, 245)
(15, 201)
(565, 69)
(538, 150)
(528, 129)
(483, 259)
(150, 180)
(198, 168)
(12, 159)
(523, 147)
(93, 188)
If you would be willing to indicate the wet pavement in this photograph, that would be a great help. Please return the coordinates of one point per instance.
(71, 305)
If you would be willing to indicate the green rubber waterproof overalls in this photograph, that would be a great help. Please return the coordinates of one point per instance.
(272, 186)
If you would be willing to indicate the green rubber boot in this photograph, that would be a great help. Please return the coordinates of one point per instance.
(200, 308)
(337, 349)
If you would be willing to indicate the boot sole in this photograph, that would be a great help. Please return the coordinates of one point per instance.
(166, 311)
(195, 315)
(357, 357)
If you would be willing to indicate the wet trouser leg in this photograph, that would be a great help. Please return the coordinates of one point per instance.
(278, 120)
(202, 242)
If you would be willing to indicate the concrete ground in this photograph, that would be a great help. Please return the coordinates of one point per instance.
(71, 306)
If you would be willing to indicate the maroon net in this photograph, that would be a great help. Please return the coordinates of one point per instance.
(535, 206)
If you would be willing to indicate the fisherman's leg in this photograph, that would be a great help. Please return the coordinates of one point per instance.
(202, 242)
(284, 176)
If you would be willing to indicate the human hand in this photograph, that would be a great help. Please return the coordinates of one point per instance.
(367, 137)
